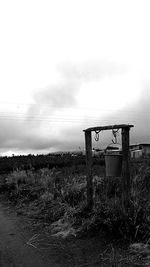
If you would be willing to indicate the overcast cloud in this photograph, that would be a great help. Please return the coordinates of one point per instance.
(68, 65)
(63, 93)
(38, 132)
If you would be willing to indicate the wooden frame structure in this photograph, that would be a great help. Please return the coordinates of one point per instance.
(125, 128)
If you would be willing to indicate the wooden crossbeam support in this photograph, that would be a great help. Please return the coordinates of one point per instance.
(126, 183)
(109, 127)
(88, 145)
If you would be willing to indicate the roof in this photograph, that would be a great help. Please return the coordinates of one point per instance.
(140, 144)
(144, 144)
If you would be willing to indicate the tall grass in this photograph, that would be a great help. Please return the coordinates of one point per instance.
(61, 194)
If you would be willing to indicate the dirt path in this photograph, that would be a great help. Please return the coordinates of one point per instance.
(14, 248)
(21, 247)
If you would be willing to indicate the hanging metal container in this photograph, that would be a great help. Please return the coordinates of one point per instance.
(113, 164)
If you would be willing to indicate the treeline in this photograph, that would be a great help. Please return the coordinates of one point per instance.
(9, 164)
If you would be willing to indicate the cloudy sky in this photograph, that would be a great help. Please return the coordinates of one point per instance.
(69, 65)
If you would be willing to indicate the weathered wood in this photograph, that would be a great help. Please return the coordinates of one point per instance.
(110, 127)
(126, 183)
(88, 145)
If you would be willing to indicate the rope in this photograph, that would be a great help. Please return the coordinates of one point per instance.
(96, 136)
(115, 133)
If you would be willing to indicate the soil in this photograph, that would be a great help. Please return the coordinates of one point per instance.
(24, 244)
(20, 245)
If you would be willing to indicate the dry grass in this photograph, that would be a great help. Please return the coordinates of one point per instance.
(65, 192)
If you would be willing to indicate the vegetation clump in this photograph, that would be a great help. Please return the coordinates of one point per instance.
(56, 200)
(60, 194)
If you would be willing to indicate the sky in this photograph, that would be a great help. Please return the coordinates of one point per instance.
(69, 65)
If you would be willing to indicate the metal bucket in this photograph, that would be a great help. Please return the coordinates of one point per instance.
(113, 164)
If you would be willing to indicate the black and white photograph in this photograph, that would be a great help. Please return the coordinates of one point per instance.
(74, 133)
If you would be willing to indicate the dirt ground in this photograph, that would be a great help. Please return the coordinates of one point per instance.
(20, 245)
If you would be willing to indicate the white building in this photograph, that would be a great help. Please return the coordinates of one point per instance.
(140, 150)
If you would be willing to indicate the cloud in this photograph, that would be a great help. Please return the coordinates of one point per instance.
(37, 130)
(57, 96)
(137, 114)
(63, 93)
(91, 70)
(16, 135)
(140, 117)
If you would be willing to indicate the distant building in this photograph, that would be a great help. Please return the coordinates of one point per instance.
(136, 154)
(140, 150)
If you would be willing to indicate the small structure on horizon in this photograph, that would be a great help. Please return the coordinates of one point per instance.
(141, 150)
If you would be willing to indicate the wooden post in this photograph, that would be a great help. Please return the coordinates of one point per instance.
(126, 183)
(88, 145)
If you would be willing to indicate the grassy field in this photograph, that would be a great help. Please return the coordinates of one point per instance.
(56, 200)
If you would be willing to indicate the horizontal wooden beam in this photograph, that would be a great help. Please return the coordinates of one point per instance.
(109, 127)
